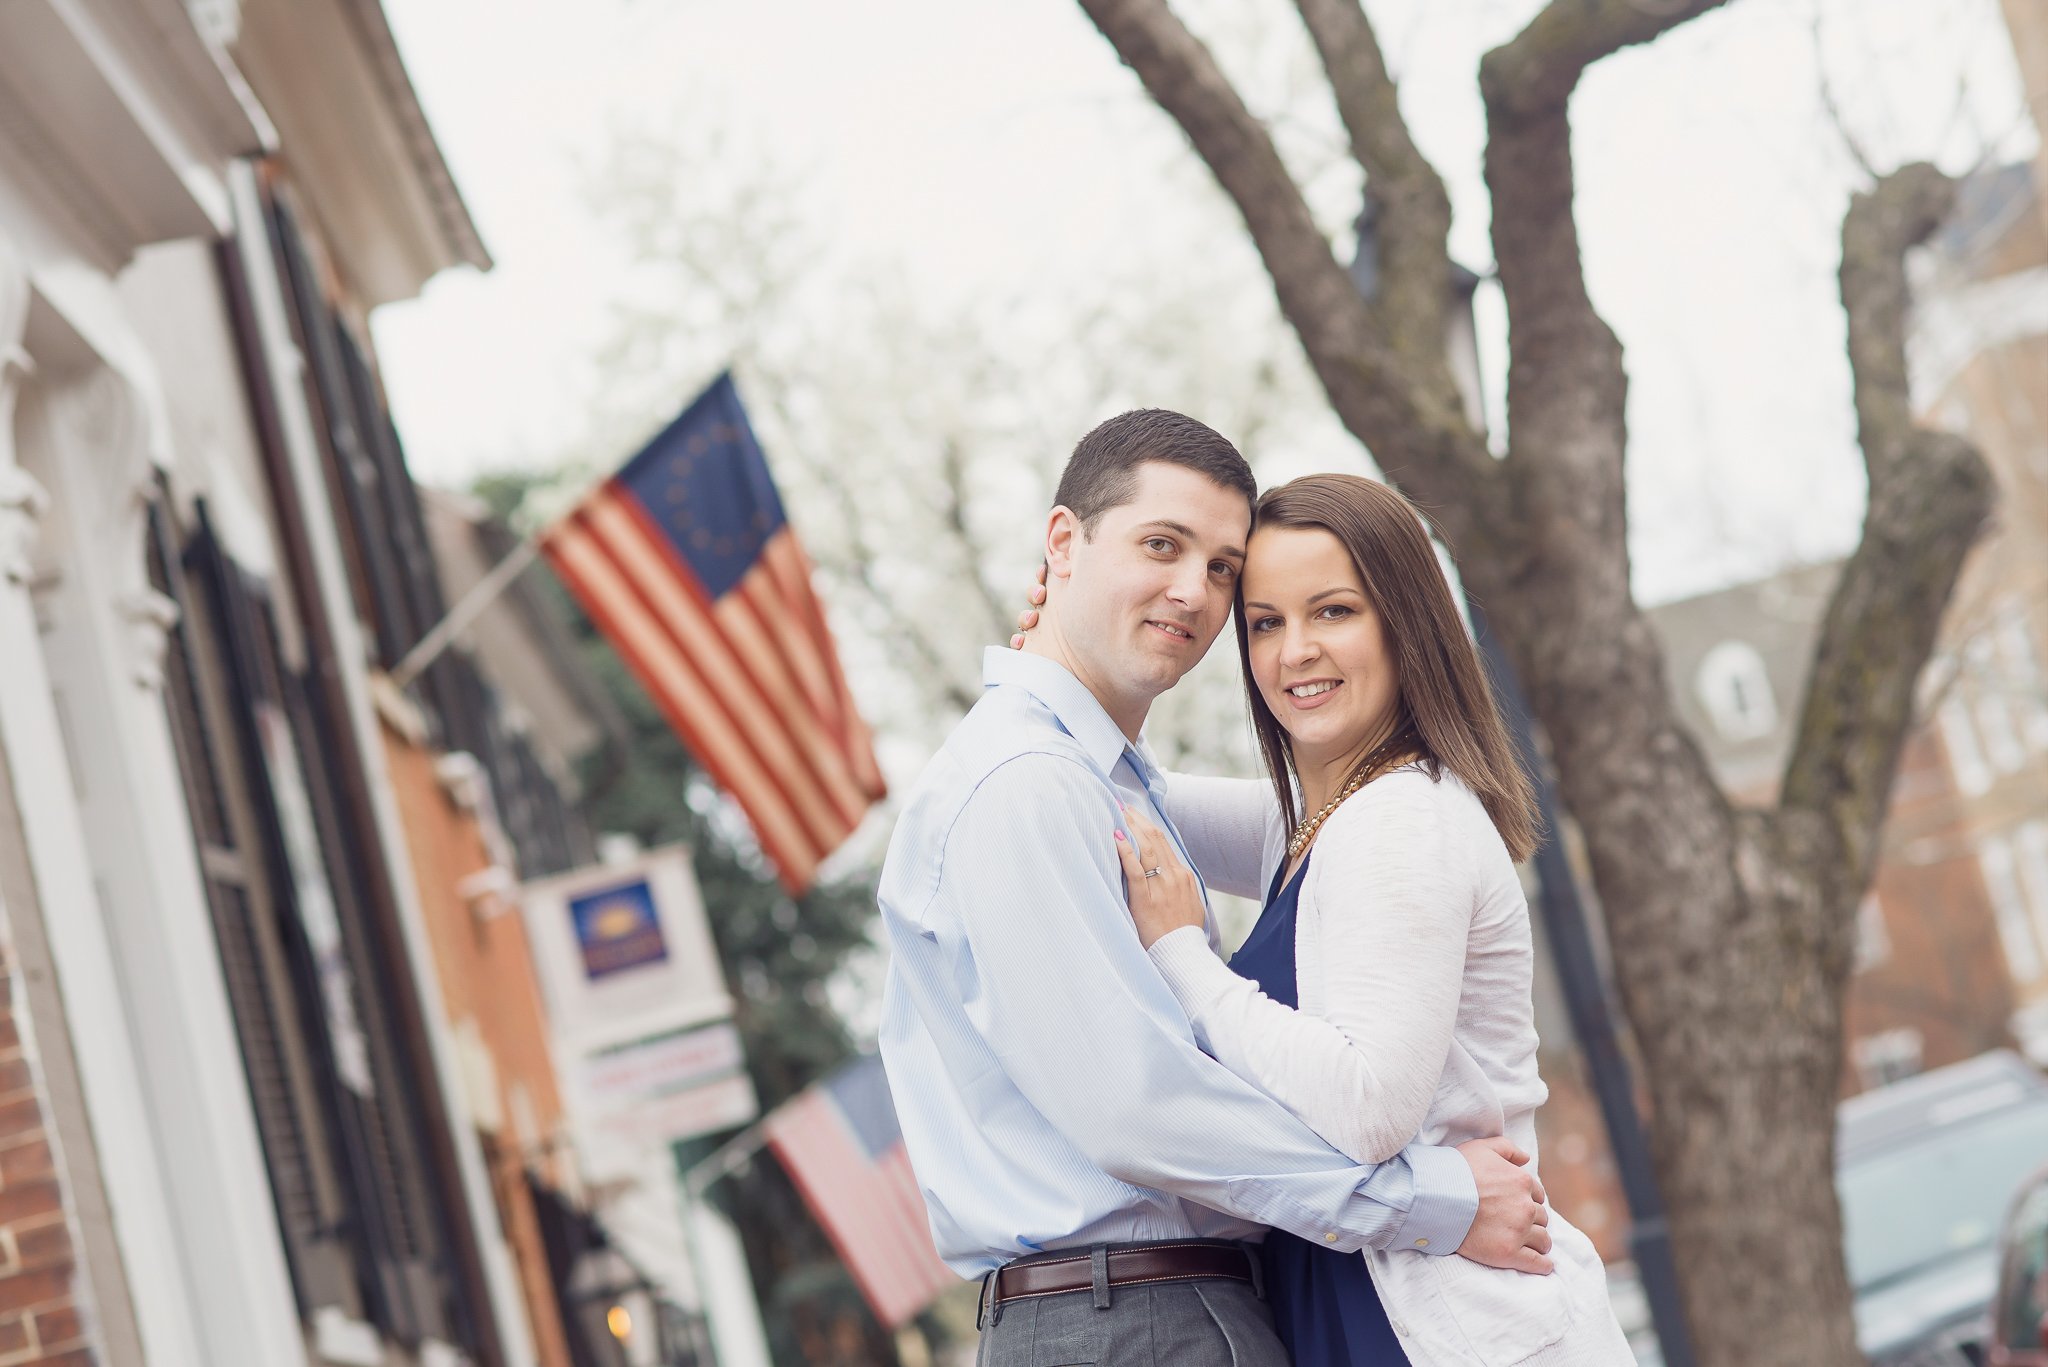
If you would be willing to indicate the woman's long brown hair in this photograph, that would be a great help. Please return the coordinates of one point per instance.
(1444, 697)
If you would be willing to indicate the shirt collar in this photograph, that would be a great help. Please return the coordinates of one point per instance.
(1068, 699)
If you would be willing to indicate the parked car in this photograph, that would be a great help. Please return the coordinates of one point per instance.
(1926, 1168)
(2019, 1312)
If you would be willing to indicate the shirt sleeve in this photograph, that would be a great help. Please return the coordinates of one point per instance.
(1228, 825)
(1393, 886)
(1058, 986)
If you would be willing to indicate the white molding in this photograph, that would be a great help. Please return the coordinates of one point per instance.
(56, 829)
(188, 42)
(150, 617)
(207, 1269)
(91, 114)
(23, 501)
(365, 161)
(345, 1341)
(22, 504)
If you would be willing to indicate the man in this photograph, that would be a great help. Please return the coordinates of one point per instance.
(1074, 1145)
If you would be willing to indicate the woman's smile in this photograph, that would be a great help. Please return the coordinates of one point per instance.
(1312, 692)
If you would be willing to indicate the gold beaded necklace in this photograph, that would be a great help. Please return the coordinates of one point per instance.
(1396, 745)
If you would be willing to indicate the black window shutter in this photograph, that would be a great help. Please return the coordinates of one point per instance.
(284, 1090)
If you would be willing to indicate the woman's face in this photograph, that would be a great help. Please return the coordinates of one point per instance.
(1319, 656)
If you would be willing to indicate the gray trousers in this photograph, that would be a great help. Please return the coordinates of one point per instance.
(1210, 1322)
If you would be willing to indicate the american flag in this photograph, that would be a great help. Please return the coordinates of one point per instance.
(840, 1144)
(687, 562)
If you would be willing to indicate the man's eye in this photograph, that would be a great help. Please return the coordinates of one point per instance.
(1159, 545)
(1223, 568)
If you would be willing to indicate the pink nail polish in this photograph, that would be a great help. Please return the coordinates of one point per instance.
(1119, 835)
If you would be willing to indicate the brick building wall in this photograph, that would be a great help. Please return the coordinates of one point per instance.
(492, 998)
(41, 1289)
(1931, 973)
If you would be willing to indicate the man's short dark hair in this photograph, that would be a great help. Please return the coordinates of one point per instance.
(1103, 471)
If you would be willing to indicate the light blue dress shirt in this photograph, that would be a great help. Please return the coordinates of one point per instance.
(1049, 1087)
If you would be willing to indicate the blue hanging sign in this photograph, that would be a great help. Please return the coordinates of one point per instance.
(617, 929)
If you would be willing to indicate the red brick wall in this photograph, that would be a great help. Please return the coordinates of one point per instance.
(487, 977)
(1944, 974)
(40, 1319)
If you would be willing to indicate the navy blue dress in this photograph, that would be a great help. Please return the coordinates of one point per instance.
(1324, 1303)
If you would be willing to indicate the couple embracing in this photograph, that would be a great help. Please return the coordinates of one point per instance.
(1321, 1151)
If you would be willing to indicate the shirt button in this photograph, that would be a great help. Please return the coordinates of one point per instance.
(1329, 1238)
(1422, 1243)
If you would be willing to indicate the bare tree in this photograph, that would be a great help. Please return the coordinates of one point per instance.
(1731, 928)
(917, 446)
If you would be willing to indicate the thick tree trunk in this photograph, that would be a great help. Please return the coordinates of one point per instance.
(1731, 929)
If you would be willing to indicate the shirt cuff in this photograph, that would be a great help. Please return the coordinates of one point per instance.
(1184, 959)
(1446, 1201)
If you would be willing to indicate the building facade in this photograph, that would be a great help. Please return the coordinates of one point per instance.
(1980, 367)
(1931, 983)
(271, 1092)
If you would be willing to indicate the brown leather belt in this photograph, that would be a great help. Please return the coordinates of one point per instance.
(1074, 1269)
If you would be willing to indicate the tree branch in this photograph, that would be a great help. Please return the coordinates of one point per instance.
(1182, 76)
(1832, 108)
(1930, 493)
(953, 510)
(1567, 390)
(1411, 210)
(1411, 418)
(859, 567)
(1536, 72)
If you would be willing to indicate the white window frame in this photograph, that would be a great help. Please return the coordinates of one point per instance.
(2009, 908)
(1734, 685)
(2022, 669)
(1873, 940)
(1887, 1056)
(1996, 726)
(1965, 756)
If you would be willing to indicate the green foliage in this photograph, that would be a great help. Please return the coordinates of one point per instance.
(778, 954)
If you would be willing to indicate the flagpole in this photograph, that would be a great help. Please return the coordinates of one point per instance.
(467, 609)
(731, 1310)
(723, 1161)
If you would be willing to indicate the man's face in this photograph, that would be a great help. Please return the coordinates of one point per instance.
(1143, 598)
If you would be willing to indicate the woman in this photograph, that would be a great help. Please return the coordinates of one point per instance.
(1384, 995)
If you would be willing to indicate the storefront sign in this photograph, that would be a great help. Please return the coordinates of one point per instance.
(616, 928)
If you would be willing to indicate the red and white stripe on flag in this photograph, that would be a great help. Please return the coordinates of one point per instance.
(867, 1203)
(750, 682)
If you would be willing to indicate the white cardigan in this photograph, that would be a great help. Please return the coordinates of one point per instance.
(1413, 963)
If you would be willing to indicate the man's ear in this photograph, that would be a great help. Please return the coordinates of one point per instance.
(1062, 532)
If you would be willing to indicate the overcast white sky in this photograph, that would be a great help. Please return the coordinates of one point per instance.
(983, 145)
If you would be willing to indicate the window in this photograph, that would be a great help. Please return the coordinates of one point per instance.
(1888, 1056)
(1735, 688)
(2008, 905)
(2022, 674)
(1873, 945)
(1959, 735)
(1995, 723)
(264, 964)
